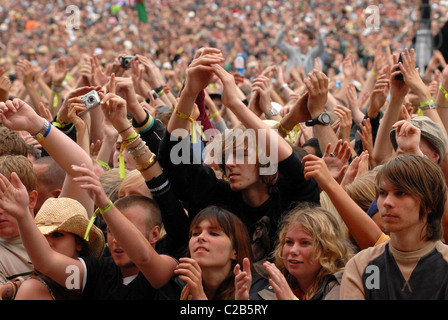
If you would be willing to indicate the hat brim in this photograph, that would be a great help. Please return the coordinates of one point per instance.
(78, 225)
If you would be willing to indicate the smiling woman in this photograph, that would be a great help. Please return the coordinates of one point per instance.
(310, 256)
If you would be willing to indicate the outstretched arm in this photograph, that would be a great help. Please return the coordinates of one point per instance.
(364, 230)
(158, 269)
(14, 200)
(18, 115)
(249, 119)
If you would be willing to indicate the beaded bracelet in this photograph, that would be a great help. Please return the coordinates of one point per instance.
(134, 150)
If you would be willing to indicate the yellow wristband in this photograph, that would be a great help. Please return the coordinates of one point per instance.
(92, 220)
(445, 92)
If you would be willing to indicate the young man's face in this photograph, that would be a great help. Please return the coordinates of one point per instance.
(241, 173)
(399, 210)
(304, 41)
(136, 215)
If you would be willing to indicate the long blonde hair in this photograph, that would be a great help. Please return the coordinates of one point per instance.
(330, 247)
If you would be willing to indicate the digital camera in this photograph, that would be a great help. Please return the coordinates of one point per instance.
(90, 100)
(126, 61)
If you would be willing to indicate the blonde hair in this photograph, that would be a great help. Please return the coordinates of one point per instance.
(133, 179)
(22, 166)
(111, 182)
(363, 190)
(330, 248)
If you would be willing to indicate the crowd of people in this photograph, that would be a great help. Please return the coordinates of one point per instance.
(137, 162)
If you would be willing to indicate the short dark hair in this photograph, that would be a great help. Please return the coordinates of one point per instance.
(308, 32)
(154, 216)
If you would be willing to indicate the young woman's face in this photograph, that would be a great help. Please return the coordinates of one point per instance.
(241, 172)
(298, 255)
(399, 210)
(211, 247)
(129, 162)
(64, 243)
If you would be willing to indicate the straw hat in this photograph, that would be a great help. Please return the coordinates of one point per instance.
(66, 214)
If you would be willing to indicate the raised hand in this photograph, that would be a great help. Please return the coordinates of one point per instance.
(90, 181)
(398, 88)
(25, 68)
(59, 72)
(367, 139)
(378, 96)
(114, 107)
(63, 111)
(229, 94)
(261, 86)
(243, 280)
(14, 198)
(278, 282)
(407, 137)
(98, 75)
(412, 77)
(337, 161)
(5, 86)
(316, 168)
(18, 115)
(345, 122)
(200, 71)
(317, 85)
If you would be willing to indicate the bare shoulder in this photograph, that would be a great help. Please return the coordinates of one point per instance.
(33, 289)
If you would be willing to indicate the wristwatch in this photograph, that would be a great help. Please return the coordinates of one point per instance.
(271, 113)
(323, 119)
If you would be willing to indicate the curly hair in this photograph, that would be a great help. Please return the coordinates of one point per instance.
(330, 247)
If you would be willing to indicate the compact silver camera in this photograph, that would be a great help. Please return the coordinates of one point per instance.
(126, 61)
(91, 100)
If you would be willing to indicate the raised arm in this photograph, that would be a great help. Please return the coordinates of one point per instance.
(317, 86)
(364, 230)
(14, 199)
(199, 75)
(383, 149)
(18, 115)
(158, 269)
(249, 119)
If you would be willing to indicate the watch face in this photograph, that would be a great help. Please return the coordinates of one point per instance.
(325, 118)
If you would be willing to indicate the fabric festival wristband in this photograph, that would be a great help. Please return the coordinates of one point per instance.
(195, 127)
(103, 164)
(214, 114)
(92, 220)
(444, 91)
(56, 99)
(283, 128)
(426, 105)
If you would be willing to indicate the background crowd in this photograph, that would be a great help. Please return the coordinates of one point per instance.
(302, 58)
